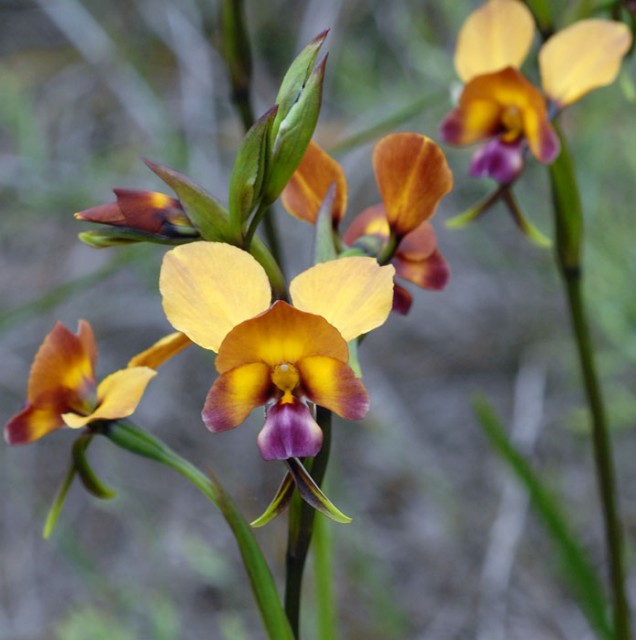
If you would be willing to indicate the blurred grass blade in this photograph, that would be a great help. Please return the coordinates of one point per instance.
(59, 294)
(389, 124)
(578, 570)
(278, 504)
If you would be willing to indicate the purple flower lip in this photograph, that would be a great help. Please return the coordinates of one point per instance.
(501, 161)
(290, 431)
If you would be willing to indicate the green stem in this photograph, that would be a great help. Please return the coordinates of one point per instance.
(569, 242)
(327, 623)
(272, 268)
(301, 520)
(127, 436)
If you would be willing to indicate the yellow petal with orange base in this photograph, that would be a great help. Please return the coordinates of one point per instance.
(281, 335)
(333, 385)
(496, 35)
(209, 287)
(117, 396)
(353, 294)
(63, 361)
(160, 351)
(582, 57)
(234, 394)
(413, 176)
(308, 187)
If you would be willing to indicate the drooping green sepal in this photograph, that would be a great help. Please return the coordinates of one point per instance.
(292, 132)
(526, 226)
(278, 504)
(324, 247)
(103, 238)
(205, 212)
(85, 472)
(310, 492)
(250, 168)
(475, 212)
(58, 502)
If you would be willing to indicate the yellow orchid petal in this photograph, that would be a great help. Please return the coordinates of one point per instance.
(161, 351)
(413, 176)
(209, 287)
(235, 393)
(333, 384)
(496, 35)
(582, 57)
(353, 294)
(282, 334)
(64, 362)
(308, 187)
(117, 396)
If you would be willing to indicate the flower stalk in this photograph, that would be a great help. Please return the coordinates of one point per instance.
(569, 238)
(301, 522)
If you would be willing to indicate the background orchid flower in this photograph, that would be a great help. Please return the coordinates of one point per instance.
(411, 173)
(417, 258)
(499, 102)
(220, 297)
(62, 388)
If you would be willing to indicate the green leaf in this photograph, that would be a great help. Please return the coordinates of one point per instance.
(91, 482)
(310, 492)
(278, 504)
(250, 168)
(578, 569)
(324, 248)
(206, 213)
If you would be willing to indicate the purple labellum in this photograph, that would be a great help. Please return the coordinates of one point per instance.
(501, 161)
(290, 431)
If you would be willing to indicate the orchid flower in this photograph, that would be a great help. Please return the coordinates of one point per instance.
(412, 176)
(63, 390)
(277, 354)
(499, 104)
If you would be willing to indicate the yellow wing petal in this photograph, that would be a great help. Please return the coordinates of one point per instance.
(117, 396)
(582, 57)
(161, 351)
(496, 35)
(353, 294)
(210, 287)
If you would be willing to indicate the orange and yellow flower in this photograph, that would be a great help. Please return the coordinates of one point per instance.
(63, 390)
(499, 102)
(276, 354)
(412, 176)
(148, 212)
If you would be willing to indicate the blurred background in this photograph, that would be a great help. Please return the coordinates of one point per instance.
(443, 545)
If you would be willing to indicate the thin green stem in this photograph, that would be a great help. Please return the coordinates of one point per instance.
(130, 437)
(569, 244)
(325, 600)
(605, 472)
(301, 520)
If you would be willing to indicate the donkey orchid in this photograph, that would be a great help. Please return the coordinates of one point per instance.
(62, 388)
(499, 103)
(276, 354)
